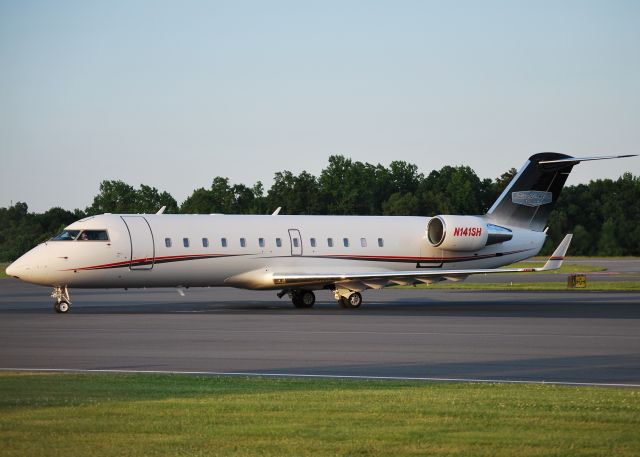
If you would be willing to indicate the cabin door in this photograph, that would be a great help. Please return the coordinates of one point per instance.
(142, 247)
(296, 241)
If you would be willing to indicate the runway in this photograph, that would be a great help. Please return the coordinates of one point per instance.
(567, 337)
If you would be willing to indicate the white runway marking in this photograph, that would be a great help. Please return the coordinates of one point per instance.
(391, 333)
(322, 376)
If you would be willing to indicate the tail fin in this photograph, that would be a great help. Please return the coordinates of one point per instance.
(532, 194)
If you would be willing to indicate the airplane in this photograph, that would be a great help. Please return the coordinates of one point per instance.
(299, 255)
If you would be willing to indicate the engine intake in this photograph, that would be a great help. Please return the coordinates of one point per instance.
(464, 233)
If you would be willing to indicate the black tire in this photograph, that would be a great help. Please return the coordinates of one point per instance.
(304, 299)
(62, 307)
(342, 301)
(308, 298)
(354, 300)
(56, 307)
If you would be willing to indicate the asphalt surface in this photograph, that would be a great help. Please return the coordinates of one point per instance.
(573, 337)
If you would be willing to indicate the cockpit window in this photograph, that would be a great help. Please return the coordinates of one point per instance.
(66, 235)
(93, 235)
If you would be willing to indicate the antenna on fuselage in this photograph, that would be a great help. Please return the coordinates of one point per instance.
(161, 210)
(277, 211)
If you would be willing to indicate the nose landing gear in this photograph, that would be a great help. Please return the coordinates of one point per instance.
(62, 300)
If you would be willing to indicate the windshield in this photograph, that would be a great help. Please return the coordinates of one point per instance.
(66, 235)
(94, 235)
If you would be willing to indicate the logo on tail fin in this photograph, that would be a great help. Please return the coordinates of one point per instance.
(531, 198)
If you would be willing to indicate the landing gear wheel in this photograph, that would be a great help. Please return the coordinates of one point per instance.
(354, 300)
(61, 307)
(307, 298)
(303, 299)
(62, 299)
(343, 302)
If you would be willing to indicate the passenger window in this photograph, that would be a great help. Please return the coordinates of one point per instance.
(223, 242)
(261, 242)
(295, 242)
(345, 241)
(279, 242)
(167, 242)
(205, 242)
(313, 242)
(243, 242)
(363, 242)
(185, 242)
(330, 242)
(93, 235)
(380, 242)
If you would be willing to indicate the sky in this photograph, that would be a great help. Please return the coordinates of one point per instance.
(172, 94)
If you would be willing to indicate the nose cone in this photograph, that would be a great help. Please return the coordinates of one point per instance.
(13, 270)
(31, 267)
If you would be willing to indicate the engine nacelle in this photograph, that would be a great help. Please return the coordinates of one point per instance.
(458, 233)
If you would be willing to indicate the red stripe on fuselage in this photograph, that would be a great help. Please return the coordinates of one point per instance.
(385, 258)
(155, 260)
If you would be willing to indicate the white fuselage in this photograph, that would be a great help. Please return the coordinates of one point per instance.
(137, 253)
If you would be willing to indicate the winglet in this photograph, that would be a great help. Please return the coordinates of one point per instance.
(555, 261)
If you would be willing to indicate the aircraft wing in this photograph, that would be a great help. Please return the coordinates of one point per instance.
(377, 280)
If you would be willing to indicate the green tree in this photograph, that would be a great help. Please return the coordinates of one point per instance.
(119, 197)
(582, 241)
(608, 243)
(225, 198)
(400, 204)
(452, 190)
(21, 230)
(351, 187)
(603, 215)
(114, 197)
(296, 194)
(148, 201)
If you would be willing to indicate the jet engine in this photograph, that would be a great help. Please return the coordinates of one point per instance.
(464, 233)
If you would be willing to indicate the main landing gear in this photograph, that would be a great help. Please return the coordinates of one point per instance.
(63, 302)
(299, 298)
(303, 298)
(306, 299)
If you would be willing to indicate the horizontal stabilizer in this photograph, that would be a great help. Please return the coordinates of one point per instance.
(575, 160)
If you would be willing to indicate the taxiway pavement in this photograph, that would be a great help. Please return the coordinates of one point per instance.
(573, 336)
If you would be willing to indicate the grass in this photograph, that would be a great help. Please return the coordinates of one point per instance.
(600, 286)
(153, 415)
(3, 266)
